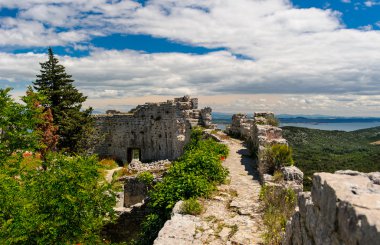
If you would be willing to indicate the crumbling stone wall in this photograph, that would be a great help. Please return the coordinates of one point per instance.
(157, 130)
(342, 208)
(263, 136)
(259, 135)
(240, 127)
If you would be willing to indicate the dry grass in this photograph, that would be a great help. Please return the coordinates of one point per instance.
(108, 163)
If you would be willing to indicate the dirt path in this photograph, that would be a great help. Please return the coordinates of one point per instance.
(109, 174)
(233, 215)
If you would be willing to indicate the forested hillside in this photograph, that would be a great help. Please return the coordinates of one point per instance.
(327, 151)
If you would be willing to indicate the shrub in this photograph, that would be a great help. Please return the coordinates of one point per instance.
(279, 205)
(146, 177)
(195, 174)
(272, 120)
(278, 176)
(64, 204)
(191, 206)
(277, 156)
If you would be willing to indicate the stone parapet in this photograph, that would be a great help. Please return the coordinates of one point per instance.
(342, 208)
(240, 127)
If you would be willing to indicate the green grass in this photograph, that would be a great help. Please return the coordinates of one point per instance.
(191, 206)
(327, 151)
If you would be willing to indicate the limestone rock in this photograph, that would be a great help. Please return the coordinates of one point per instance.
(343, 208)
(180, 229)
(292, 173)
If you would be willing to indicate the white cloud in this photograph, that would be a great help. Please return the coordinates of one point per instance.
(371, 3)
(366, 28)
(106, 75)
(294, 51)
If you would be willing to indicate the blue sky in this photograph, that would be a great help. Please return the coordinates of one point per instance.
(303, 56)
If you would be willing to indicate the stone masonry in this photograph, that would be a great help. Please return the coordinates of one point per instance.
(153, 131)
(259, 135)
(240, 126)
(342, 208)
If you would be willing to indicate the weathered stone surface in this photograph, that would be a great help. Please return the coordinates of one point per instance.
(343, 208)
(292, 173)
(240, 127)
(135, 191)
(374, 177)
(155, 131)
(156, 166)
(180, 229)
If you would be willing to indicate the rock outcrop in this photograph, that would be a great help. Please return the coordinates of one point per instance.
(342, 208)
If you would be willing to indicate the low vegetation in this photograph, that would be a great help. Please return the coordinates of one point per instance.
(193, 175)
(146, 177)
(108, 164)
(273, 121)
(327, 151)
(65, 204)
(278, 205)
(191, 206)
(277, 156)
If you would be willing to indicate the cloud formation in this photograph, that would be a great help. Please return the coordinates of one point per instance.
(292, 52)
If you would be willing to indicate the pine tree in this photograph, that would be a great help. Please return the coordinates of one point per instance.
(65, 102)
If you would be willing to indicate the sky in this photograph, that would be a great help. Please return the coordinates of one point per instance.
(294, 57)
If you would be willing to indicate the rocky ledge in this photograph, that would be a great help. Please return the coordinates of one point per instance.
(342, 208)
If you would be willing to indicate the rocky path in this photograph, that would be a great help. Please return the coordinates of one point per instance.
(109, 174)
(232, 215)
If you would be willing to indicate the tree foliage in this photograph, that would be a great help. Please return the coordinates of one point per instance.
(65, 102)
(328, 151)
(17, 122)
(45, 127)
(65, 204)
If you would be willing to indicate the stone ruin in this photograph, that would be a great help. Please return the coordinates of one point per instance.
(153, 131)
(342, 208)
(259, 135)
(240, 126)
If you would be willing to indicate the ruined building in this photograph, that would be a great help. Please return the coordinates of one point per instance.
(152, 131)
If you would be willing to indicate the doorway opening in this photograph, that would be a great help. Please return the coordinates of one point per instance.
(133, 154)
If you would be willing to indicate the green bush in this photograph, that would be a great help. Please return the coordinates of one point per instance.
(279, 205)
(146, 177)
(195, 174)
(66, 203)
(191, 206)
(272, 120)
(277, 156)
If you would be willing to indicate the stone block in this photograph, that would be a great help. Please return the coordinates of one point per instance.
(292, 173)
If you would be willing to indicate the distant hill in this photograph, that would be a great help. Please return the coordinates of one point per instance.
(327, 151)
(328, 120)
(225, 118)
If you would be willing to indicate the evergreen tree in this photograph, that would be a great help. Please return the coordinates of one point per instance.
(65, 102)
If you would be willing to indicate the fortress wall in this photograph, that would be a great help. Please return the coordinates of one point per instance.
(158, 130)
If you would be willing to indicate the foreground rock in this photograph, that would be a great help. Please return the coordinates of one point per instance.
(180, 229)
(342, 208)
